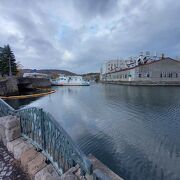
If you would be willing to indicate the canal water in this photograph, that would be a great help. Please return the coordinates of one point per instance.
(133, 130)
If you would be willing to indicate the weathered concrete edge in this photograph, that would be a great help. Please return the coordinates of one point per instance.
(34, 162)
(142, 83)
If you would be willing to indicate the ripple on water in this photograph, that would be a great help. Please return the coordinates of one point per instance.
(133, 130)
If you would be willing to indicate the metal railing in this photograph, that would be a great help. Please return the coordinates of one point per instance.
(5, 109)
(46, 134)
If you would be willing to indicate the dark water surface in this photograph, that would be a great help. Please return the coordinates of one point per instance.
(133, 130)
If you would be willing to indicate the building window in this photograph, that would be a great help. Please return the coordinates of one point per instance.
(170, 75)
(125, 75)
(148, 75)
(176, 75)
(139, 75)
(161, 75)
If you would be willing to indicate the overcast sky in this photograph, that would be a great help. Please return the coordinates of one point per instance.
(78, 35)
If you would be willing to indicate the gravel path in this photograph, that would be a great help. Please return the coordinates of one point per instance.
(9, 167)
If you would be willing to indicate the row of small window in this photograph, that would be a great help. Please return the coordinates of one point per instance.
(169, 75)
(68, 79)
(147, 75)
(121, 76)
(162, 75)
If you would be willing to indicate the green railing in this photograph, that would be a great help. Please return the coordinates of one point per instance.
(5, 109)
(46, 134)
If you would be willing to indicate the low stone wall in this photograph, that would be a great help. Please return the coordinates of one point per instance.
(144, 83)
(9, 129)
(32, 161)
(36, 164)
(8, 86)
(31, 83)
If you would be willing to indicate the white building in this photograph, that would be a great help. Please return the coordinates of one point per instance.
(164, 71)
(35, 75)
(116, 65)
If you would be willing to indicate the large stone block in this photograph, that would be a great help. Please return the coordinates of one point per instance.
(2, 128)
(28, 156)
(2, 132)
(3, 120)
(49, 177)
(47, 173)
(36, 165)
(9, 128)
(20, 148)
(12, 144)
(69, 176)
(11, 122)
(12, 134)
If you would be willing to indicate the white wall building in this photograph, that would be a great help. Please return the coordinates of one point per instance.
(35, 75)
(116, 65)
(163, 71)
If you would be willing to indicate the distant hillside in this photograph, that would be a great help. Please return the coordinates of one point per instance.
(54, 72)
(91, 74)
(49, 71)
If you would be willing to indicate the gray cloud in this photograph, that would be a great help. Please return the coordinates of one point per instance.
(93, 8)
(80, 35)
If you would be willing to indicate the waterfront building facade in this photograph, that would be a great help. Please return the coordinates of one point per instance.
(161, 71)
(116, 65)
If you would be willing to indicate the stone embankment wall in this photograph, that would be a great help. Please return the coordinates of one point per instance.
(35, 164)
(31, 83)
(143, 83)
(8, 86)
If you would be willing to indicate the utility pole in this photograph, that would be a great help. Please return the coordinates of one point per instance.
(10, 70)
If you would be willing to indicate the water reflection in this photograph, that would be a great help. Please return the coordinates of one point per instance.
(20, 103)
(133, 130)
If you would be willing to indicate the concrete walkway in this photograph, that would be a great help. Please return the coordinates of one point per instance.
(9, 167)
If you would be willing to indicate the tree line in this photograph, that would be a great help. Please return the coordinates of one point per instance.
(7, 60)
